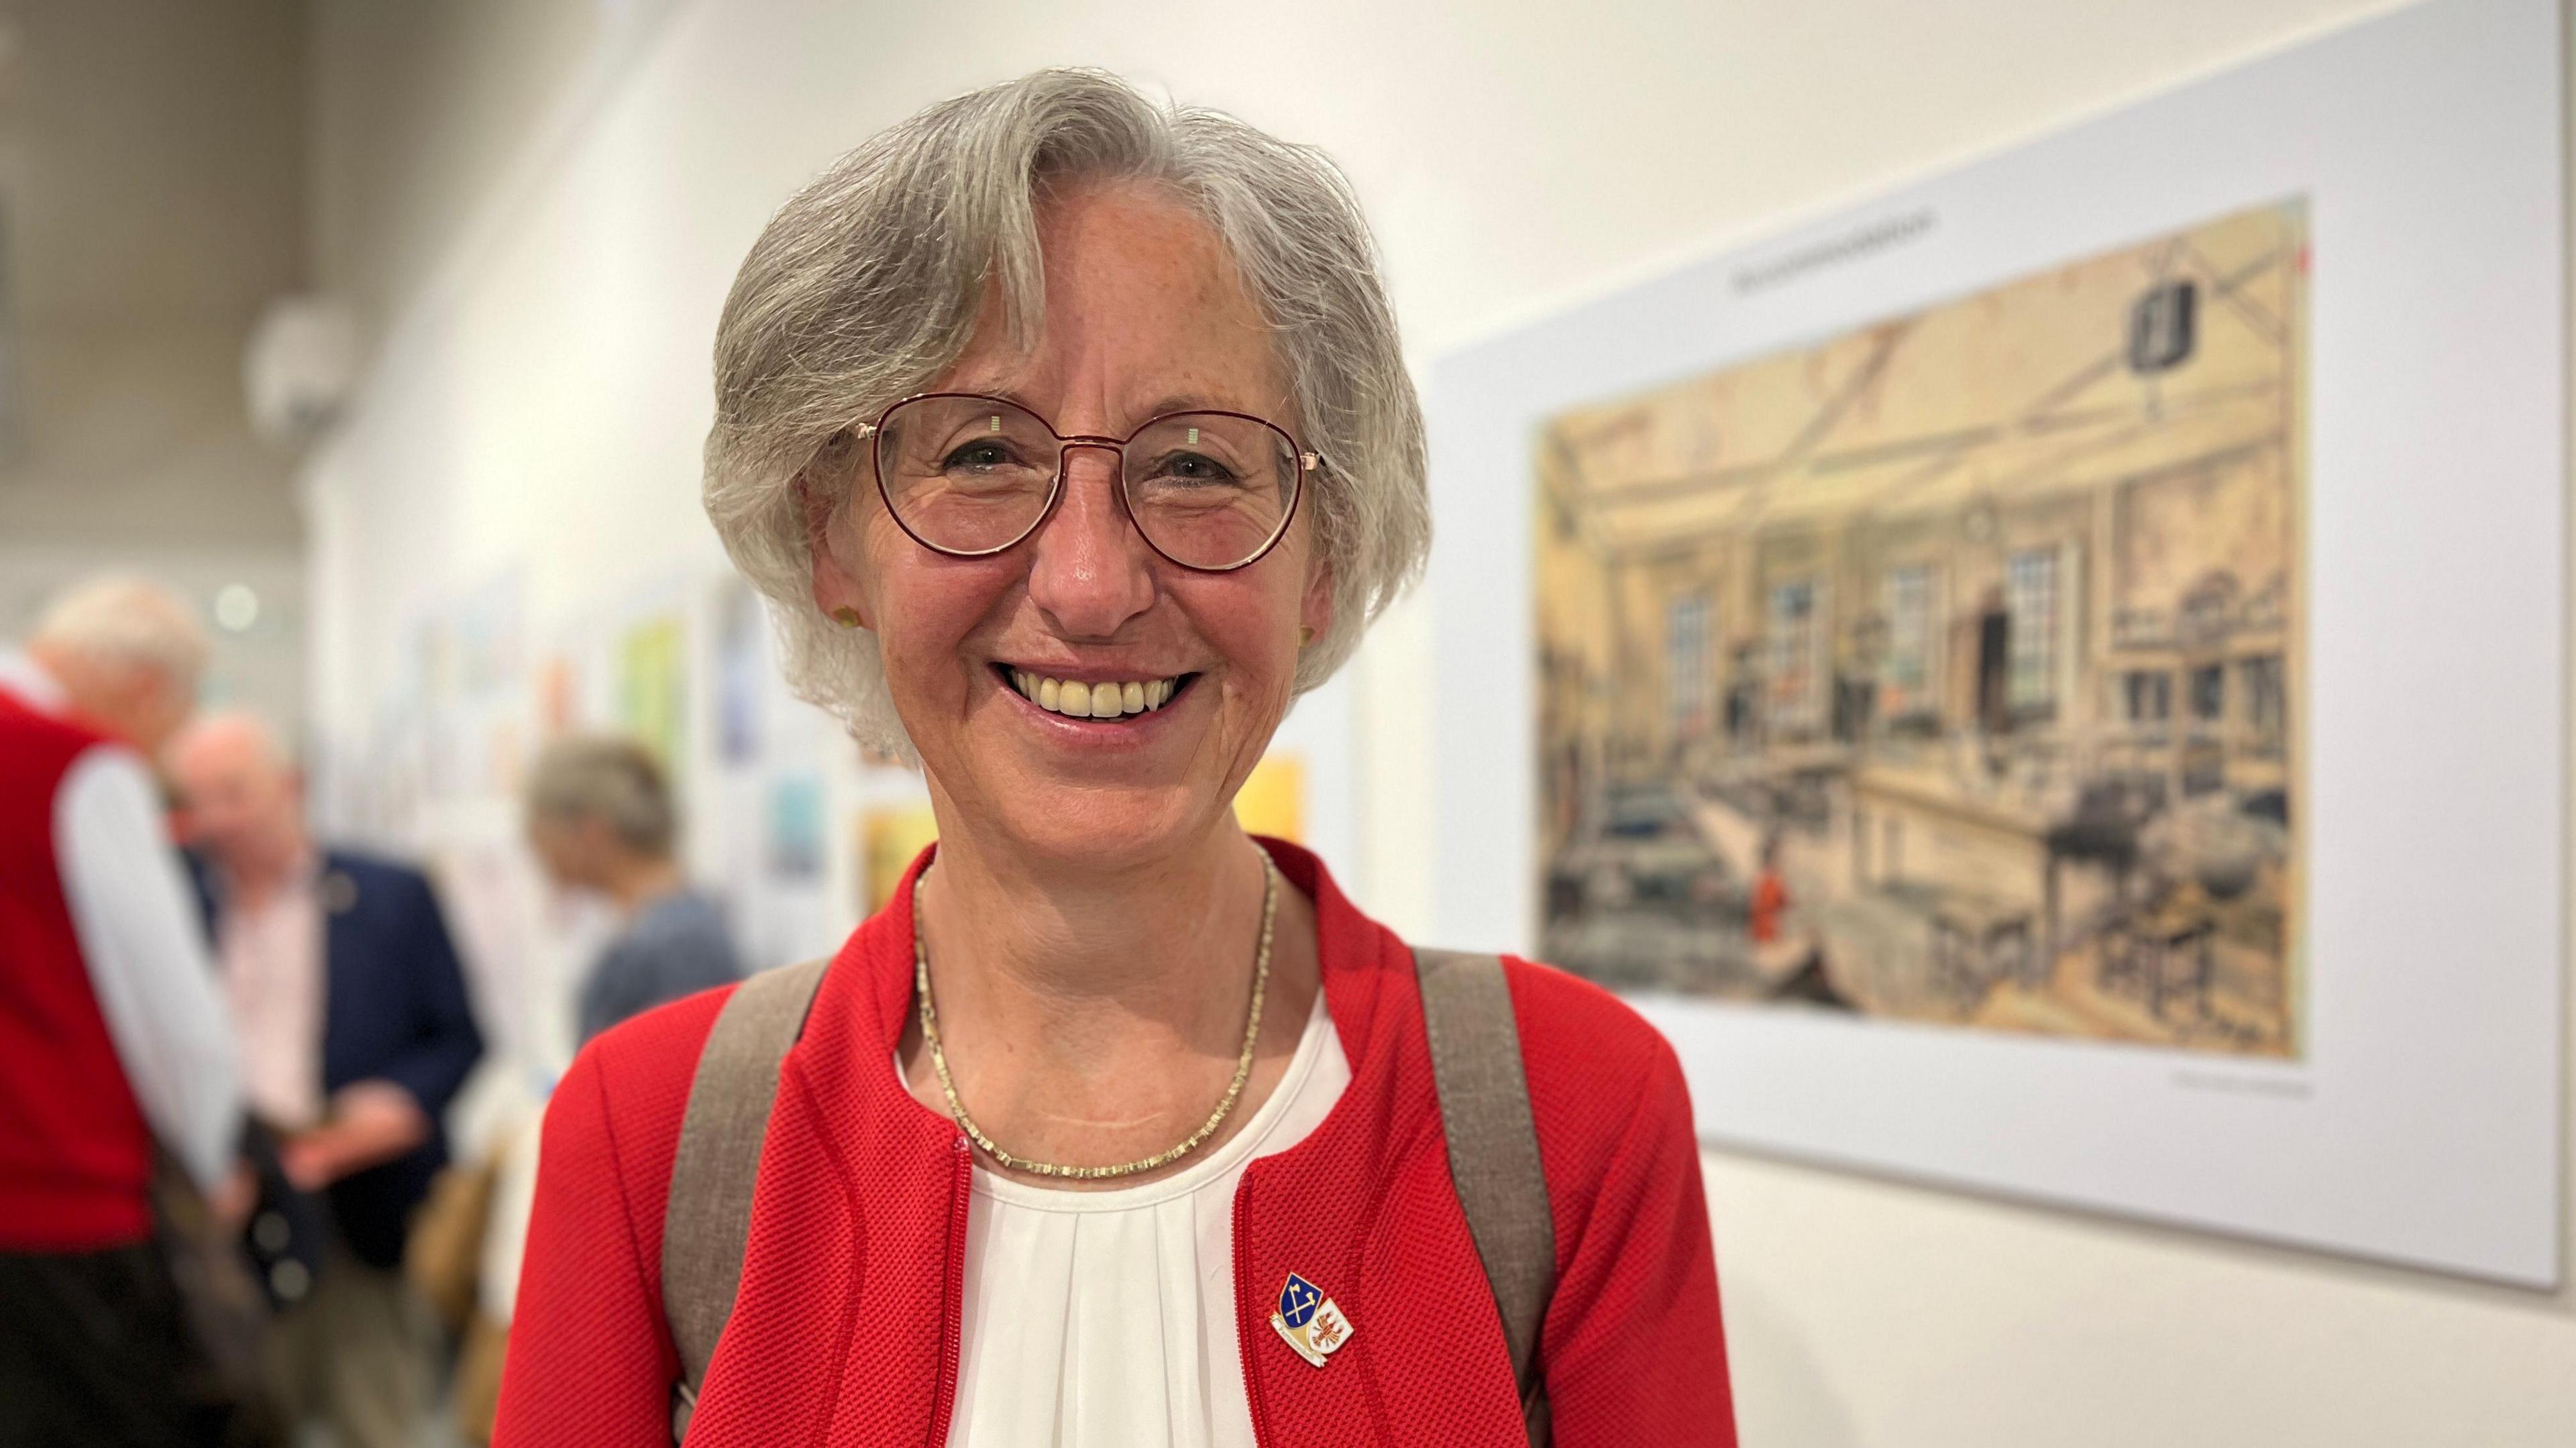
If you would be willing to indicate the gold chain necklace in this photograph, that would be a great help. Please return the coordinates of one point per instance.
(1234, 1088)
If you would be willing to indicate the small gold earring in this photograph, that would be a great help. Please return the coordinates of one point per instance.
(846, 617)
(1305, 635)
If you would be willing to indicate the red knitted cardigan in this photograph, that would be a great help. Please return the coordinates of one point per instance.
(846, 1328)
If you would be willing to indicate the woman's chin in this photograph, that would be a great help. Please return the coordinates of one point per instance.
(1107, 829)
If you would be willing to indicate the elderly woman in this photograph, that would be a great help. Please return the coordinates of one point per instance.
(601, 821)
(1070, 439)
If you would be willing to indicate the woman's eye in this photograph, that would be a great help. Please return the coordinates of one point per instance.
(1193, 468)
(976, 456)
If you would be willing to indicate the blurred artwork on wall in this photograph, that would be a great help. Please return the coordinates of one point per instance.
(652, 686)
(794, 847)
(558, 696)
(471, 690)
(1951, 667)
(742, 670)
(1273, 798)
(890, 836)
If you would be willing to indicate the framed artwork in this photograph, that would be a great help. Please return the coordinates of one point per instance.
(2050, 679)
(1944, 669)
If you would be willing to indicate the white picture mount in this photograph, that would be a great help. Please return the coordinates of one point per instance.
(2420, 1122)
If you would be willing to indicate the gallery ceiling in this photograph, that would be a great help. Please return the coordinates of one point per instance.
(152, 160)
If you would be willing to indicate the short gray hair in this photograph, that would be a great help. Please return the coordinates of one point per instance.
(614, 781)
(870, 282)
(123, 620)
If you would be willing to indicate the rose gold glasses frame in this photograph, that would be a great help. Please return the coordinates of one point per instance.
(873, 433)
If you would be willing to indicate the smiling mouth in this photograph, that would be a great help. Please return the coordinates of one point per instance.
(1079, 699)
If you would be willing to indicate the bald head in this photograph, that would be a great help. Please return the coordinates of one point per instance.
(128, 655)
(245, 807)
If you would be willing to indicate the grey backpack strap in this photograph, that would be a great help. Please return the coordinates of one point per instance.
(706, 1220)
(1493, 1150)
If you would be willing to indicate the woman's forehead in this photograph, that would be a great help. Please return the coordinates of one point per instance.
(1145, 312)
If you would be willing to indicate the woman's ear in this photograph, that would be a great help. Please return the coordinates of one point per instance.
(1315, 609)
(836, 590)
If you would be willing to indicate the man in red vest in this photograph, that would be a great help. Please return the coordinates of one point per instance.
(112, 1035)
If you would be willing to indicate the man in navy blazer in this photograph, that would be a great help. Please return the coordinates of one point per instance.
(355, 1033)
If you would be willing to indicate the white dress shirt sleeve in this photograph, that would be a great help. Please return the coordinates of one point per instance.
(141, 935)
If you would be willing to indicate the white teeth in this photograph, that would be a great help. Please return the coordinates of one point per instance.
(1077, 699)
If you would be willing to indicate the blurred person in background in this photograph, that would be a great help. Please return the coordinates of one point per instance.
(601, 819)
(1069, 437)
(355, 1033)
(112, 1035)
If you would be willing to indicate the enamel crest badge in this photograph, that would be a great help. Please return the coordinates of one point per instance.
(1310, 1321)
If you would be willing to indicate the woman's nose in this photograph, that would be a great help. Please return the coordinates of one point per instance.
(1090, 571)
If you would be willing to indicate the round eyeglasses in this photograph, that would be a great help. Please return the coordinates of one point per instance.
(969, 475)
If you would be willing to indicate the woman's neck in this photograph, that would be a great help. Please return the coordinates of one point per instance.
(1075, 929)
(1096, 1014)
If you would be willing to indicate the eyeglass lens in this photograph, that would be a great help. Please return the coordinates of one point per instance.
(1208, 490)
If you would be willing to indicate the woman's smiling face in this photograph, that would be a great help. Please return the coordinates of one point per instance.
(1145, 315)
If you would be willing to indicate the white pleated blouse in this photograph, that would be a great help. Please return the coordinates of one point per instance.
(1105, 1319)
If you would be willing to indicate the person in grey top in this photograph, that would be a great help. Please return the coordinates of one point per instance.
(600, 818)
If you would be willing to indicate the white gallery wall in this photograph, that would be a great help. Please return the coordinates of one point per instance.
(540, 391)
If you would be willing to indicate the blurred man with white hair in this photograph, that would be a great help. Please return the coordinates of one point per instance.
(124, 656)
(355, 1034)
(112, 1036)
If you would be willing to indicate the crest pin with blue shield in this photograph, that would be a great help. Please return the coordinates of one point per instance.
(1309, 1321)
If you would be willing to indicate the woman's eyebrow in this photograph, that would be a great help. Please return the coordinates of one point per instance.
(1187, 402)
(1001, 390)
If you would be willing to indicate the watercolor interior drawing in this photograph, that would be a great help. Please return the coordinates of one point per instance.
(1949, 668)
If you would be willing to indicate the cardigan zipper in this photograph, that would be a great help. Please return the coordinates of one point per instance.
(961, 1183)
(1244, 1340)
